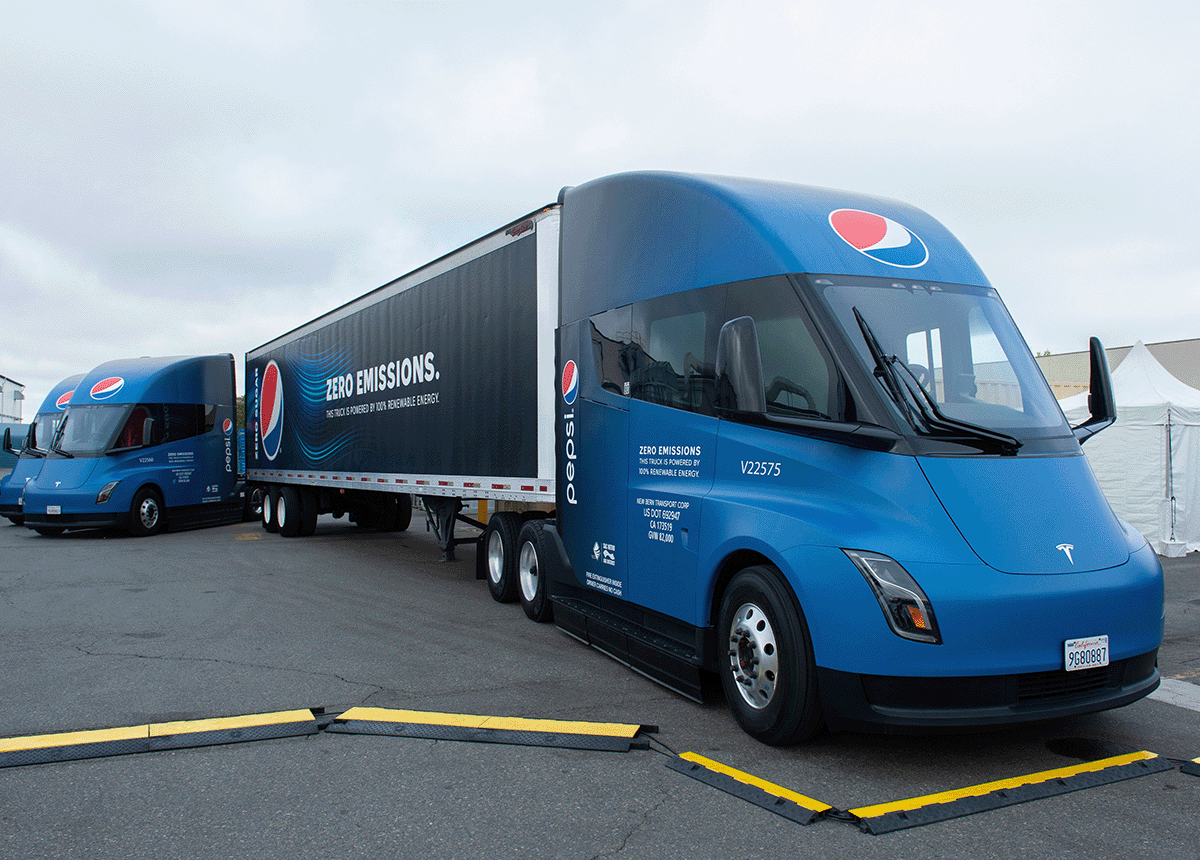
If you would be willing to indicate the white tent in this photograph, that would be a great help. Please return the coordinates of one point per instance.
(1148, 462)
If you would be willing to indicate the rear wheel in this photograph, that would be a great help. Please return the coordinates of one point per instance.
(146, 514)
(535, 551)
(270, 500)
(500, 542)
(288, 511)
(768, 674)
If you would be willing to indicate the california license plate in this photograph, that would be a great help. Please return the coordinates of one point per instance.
(53, 510)
(1090, 653)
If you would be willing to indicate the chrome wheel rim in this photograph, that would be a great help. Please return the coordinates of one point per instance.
(529, 571)
(148, 512)
(753, 655)
(495, 557)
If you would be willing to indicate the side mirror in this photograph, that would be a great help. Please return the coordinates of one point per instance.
(8, 441)
(1101, 405)
(739, 368)
(147, 428)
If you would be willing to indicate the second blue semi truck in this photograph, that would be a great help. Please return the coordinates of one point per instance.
(787, 435)
(144, 443)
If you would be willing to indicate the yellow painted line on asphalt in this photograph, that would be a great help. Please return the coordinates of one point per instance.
(247, 536)
(475, 721)
(1000, 785)
(749, 779)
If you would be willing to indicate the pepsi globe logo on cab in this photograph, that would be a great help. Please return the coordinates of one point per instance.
(880, 238)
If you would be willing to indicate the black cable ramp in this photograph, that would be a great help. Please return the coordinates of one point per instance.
(569, 734)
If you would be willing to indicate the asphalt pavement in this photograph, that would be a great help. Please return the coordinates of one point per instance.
(101, 630)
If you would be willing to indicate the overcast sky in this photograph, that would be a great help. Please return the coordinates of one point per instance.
(195, 177)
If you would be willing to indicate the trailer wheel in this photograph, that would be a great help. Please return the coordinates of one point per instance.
(288, 511)
(252, 507)
(534, 553)
(403, 513)
(308, 512)
(146, 514)
(769, 676)
(270, 501)
(501, 543)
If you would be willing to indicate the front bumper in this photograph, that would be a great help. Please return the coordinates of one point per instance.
(895, 704)
(77, 521)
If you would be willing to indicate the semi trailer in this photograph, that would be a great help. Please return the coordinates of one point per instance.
(787, 435)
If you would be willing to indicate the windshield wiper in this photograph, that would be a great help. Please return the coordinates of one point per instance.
(58, 434)
(935, 420)
(884, 372)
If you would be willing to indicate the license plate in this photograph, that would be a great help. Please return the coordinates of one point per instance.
(1090, 653)
(53, 510)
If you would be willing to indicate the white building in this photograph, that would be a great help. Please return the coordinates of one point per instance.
(12, 399)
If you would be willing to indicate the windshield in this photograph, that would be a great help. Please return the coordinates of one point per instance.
(87, 431)
(42, 431)
(957, 343)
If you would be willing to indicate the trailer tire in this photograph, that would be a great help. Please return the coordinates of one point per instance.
(501, 543)
(288, 511)
(403, 517)
(535, 552)
(270, 501)
(147, 516)
(769, 675)
(309, 509)
(252, 506)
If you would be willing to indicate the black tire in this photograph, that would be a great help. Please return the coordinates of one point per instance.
(49, 531)
(252, 504)
(288, 511)
(147, 515)
(270, 500)
(532, 570)
(403, 513)
(308, 512)
(501, 545)
(769, 676)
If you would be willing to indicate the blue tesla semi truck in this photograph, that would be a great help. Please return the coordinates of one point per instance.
(33, 449)
(787, 435)
(145, 444)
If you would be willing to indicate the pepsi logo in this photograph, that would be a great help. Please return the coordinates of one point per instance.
(63, 399)
(106, 388)
(227, 427)
(570, 382)
(879, 238)
(270, 410)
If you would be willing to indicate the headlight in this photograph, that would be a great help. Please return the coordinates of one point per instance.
(905, 606)
(105, 492)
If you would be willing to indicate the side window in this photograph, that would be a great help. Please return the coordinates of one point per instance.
(674, 339)
(799, 376)
(613, 349)
(171, 422)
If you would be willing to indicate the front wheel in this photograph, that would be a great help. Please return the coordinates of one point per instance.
(768, 673)
(146, 514)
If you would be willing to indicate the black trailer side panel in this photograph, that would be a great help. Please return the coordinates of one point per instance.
(436, 379)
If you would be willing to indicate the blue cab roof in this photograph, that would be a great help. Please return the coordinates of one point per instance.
(67, 386)
(168, 379)
(634, 236)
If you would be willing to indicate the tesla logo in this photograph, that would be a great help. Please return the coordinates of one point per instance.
(1066, 547)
